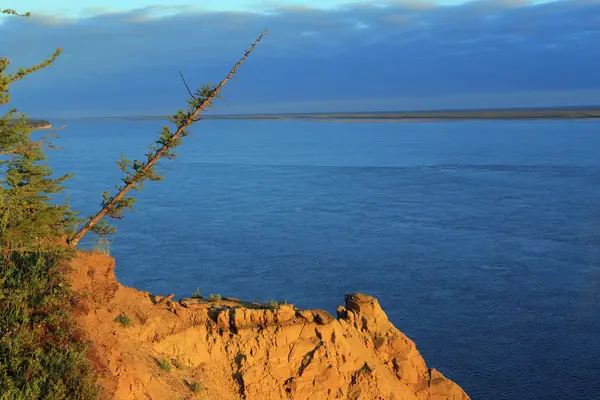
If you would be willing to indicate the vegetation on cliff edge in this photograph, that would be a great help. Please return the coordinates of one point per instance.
(42, 354)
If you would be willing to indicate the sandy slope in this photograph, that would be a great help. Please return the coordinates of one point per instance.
(238, 350)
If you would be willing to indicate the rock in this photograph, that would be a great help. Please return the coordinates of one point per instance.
(368, 315)
(237, 351)
(322, 317)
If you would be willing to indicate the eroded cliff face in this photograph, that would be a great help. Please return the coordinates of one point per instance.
(238, 350)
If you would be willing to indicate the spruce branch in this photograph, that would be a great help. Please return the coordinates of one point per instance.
(138, 171)
(9, 11)
(44, 140)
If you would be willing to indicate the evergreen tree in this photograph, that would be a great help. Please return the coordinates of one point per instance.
(140, 171)
(41, 356)
(28, 219)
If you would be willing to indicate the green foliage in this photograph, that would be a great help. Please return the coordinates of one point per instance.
(196, 294)
(273, 304)
(123, 319)
(9, 11)
(137, 172)
(214, 297)
(28, 221)
(42, 356)
(7, 79)
(164, 364)
(195, 386)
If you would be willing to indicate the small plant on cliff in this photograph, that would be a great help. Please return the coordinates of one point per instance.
(123, 319)
(102, 246)
(214, 297)
(195, 386)
(196, 294)
(164, 364)
(273, 304)
(42, 354)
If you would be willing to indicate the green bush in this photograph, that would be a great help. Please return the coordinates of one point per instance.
(195, 386)
(123, 319)
(164, 364)
(42, 356)
(214, 297)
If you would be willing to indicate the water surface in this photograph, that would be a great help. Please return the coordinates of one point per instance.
(480, 239)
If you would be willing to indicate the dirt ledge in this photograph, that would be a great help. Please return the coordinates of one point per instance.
(239, 350)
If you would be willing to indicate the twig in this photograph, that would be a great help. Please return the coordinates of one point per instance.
(186, 86)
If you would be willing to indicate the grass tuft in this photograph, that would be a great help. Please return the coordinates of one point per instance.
(214, 297)
(123, 319)
(102, 246)
(164, 364)
(195, 386)
(196, 294)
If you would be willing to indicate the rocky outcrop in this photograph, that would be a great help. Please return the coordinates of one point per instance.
(230, 349)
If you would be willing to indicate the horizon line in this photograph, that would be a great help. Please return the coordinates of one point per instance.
(550, 108)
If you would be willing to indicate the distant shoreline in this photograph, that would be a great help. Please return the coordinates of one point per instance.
(585, 113)
(35, 124)
(41, 128)
(414, 120)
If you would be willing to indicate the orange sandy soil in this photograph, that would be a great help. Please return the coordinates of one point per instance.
(238, 350)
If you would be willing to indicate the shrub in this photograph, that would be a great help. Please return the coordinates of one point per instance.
(214, 297)
(42, 355)
(195, 386)
(123, 319)
(164, 364)
(196, 294)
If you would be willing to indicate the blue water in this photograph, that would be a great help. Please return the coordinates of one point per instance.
(481, 240)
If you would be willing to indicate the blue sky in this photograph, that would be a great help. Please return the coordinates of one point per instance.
(325, 56)
(78, 7)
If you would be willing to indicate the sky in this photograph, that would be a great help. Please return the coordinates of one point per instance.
(89, 7)
(124, 57)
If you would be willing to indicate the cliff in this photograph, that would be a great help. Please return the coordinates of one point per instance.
(229, 349)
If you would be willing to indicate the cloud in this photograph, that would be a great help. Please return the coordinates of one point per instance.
(128, 62)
